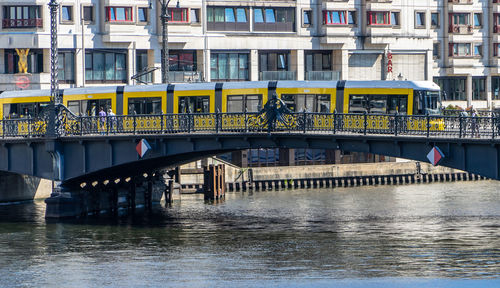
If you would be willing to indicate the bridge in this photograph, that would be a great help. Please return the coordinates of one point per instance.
(99, 149)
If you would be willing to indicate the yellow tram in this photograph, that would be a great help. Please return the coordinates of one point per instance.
(377, 99)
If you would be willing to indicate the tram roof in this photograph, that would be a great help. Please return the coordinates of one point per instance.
(90, 90)
(392, 84)
(25, 93)
(245, 85)
(306, 84)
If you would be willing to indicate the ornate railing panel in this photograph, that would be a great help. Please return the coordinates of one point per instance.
(274, 118)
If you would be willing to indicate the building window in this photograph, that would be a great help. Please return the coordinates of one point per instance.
(460, 49)
(118, 14)
(395, 19)
(263, 157)
(478, 88)
(142, 14)
(274, 19)
(316, 63)
(227, 18)
(229, 66)
(274, 61)
(335, 17)
(88, 13)
(66, 63)
(436, 50)
(244, 103)
(453, 88)
(420, 20)
(178, 15)
(460, 19)
(141, 60)
(105, 66)
(306, 18)
(182, 60)
(435, 20)
(496, 49)
(478, 49)
(478, 20)
(34, 61)
(379, 18)
(21, 17)
(351, 18)
(495, 87)
(195, 15)
(67, 14)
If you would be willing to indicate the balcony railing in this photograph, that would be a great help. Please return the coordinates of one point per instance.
(277, 75)
(461, 29)
(460, 1)
(322, 75)
(185, 76)
(22, 23)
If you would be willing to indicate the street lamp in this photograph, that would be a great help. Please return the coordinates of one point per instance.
(164, 45)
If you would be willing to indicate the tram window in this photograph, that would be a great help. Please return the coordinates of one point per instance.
(235, 103)
(253, 103)
(21, 110)
(91, 107)
(289, 101)
(144, 106)
(323, 103)
(397, 104)
(377, 104)
(240, 103)
(74, 107)
(194, 104)
(307, 102)
(357, 104)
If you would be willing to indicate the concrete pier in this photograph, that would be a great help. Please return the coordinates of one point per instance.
(15, 187)
(108, 197)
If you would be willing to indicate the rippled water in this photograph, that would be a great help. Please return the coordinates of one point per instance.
(435, 235)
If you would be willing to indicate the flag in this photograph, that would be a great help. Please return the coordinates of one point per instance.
(435, 155)
(142, 147)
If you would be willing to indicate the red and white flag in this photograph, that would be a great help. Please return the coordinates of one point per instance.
(435, 155)
(142, 147)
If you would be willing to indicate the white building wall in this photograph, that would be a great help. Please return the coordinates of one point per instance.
(357, 51)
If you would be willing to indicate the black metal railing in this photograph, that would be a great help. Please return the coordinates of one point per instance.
(259, 122)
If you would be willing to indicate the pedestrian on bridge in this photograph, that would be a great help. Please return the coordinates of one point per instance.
(102, 120)
(111, 120)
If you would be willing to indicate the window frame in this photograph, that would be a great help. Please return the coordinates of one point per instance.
(386, 18)
(438, 24)
(147, 14)
(130, 13)
(310, 13)
(71, 14)
(423, 25)
(92, 9)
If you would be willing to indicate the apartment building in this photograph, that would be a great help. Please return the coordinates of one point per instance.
(107, 42)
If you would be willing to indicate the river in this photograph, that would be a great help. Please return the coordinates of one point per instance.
(429, 235)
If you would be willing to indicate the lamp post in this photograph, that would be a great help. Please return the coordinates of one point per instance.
(164, 43)
(54, 85)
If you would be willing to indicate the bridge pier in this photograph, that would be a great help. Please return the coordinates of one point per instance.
(105, 197)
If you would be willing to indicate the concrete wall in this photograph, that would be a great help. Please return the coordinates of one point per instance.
(345, 170)
(14, 187)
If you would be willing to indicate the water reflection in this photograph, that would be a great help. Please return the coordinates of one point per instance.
(401, 232)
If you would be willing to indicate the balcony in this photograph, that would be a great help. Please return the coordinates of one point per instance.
(185, 76)
(460, 1)
(22, 23)
(461, 29)
(322, 75)
(276, 75)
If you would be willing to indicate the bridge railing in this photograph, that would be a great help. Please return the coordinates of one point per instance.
(262, 122)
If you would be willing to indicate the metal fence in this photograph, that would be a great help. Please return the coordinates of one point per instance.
(264, 122)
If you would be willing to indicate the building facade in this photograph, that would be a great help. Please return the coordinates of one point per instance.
(107, 42)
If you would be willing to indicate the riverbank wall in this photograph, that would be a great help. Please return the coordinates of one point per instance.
(328, 176)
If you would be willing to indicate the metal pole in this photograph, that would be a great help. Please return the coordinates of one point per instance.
(164, 43)
(83, 45)
(54, 86)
